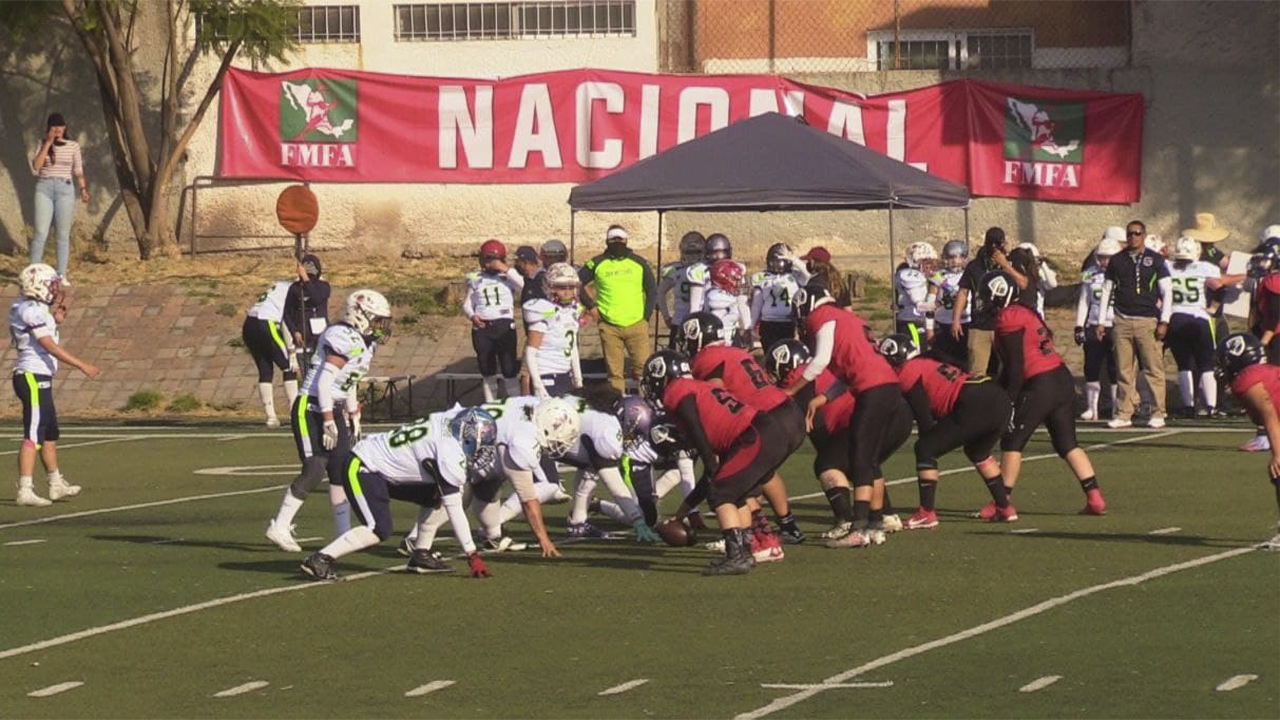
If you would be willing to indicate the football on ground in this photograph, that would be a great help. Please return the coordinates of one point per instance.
(677, 532)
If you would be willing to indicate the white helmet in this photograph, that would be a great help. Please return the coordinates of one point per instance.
(39, 282)
(561, 276)
(369, 313)
(1269, 232)
(1115, 232)
(1108, 247)
(1155, 242)
(557, 426)
(1187, 248)
(918, 252)
(1035, 251)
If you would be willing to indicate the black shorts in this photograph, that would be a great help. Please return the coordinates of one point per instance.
(835, 452)
(979, 418)
(1192, 341)
(39, 416)
(495, 346)
(267, 342)
(772, 331)
(370, 494)
(749, 463)
(948, 349)
(558, 384)
(1099, 353)
(308, 430)
(1047, 398)
(869, 431)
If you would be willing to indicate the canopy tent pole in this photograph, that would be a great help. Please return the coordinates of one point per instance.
(573, 245)
(892, 255)
(658, 269)
(966, 226)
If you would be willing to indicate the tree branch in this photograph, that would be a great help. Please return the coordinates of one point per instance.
(215, 86)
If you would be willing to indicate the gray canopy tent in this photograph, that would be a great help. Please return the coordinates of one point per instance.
(768, 162)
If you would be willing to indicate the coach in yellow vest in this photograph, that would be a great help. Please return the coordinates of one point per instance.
(625, 291)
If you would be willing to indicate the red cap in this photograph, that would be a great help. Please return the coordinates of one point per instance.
(818, 253)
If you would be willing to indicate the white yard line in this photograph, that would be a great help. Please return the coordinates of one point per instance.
(1040, 684)
(430, 687)
(15, 543)
(104, 441)
(242, 689)
(55, 689)
(1009, 619)
(1235, 682)
(1024, 531)
(827, 686)
(628, 685)
(139, 506)
(1165, 531)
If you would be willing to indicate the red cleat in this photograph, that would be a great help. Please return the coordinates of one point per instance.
(1008, 514)
(922, 520)
(766, 548)
(1095, 504)
(988, 512)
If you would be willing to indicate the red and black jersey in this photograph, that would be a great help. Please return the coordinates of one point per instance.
(1268, 375)
(724, 417)
(1038, 353)
(942, 383)
(855, 357)
(835, 414)
(1265, 304)
(741, 375)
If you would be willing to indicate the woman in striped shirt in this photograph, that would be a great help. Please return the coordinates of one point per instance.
(57, 164)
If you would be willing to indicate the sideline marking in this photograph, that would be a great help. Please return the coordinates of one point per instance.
(167, 541)
(104, 441)
(430, 687)
(242, 689)
(63, 687)
(139, 506)
(308, 539)
(1009, 619)
(827, 686)
(1235, 683)
(1165, 531)
(249, 470)
(15, 543)
(1024, 531)
(618, 689)
(1040, 684)
(184, 610)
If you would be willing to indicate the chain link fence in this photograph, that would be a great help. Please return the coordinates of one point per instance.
(843, 36)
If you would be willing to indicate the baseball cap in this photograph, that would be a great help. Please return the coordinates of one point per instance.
(818, 253)
(616, 232)
(526, 253)
(1114, 232)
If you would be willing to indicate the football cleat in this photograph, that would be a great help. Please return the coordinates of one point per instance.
(840, 529)
(1118, 423)
(1095, 505)
(320, 566)
(27, 497)
(502, 544)
(1272, 545)
(740, 565)
(426, 562)
(1088, 416)
(892, 523)
(1259, 443)
(587, 531)
(855, 539)
(406, 547)
(794, 536)
(283, 537)
(922, 520)
(876, 535)
(716, 546)
(766, 548)
(59, 489)
(1007, 514)
(988, 512)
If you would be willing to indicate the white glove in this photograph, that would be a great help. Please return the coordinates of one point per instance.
(541, 392)
(355, 425)
(330, 434)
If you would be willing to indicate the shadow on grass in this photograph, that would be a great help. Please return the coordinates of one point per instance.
(166, 541)
(1174, 540)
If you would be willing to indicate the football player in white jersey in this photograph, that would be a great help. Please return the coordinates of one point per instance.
(1191, 329)
(553, 323)
(672, 280)
(911, 291)
(725, 300)
(490, 306)
(944, 284)
(271, 346)
(771, 293)
(328, 401)
(654, 461)
(428, 463)
(33, 329)
(1090, 314)
(698, 275)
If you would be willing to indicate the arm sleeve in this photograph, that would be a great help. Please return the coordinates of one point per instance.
(353, 401)
(575, 366)
(292, 303)
(918, 399)
(467, 310)
(535, 376)
(757, 304)
(696, 295)
(746, 319)
(458, 519)
(688, 412)
(664, 288)
(1082, 305)
(1012, 361)
(324, 386)
(824, 341)
(516, 280)
(1105, 318)
(1166, 298)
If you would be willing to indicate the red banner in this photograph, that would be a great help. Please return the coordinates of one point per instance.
(574, 126)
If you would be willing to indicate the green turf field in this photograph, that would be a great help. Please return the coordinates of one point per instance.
(156, 591)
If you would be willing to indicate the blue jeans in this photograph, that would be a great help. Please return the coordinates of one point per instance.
(56, 205)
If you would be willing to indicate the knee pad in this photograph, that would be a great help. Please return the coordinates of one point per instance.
(289, 375)
(313, 471)
(1064, 452)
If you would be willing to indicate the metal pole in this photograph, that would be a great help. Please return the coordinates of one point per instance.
(658, 269)
(572, 237)
(966, 225)
(773, 34)
(892, 255)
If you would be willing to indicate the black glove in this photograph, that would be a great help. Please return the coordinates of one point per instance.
(1080, 339)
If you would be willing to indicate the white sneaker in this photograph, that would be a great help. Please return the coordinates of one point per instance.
(1259, 443)
(273, 422)
(62, 489)
(1088, 416)
(1156, 421)
(876, 536)
(64, 281)
(716, 547)
(27, 497)
(1117, 423)
(283, 537)
(892, 523)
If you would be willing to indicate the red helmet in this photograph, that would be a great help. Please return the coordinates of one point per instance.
(493, 249)
(727, 275)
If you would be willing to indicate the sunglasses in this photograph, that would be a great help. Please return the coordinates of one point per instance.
(1133, 233)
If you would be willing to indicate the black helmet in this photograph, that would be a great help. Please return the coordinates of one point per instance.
(692, 247)
(776, 259)
(898, 349)
(1236, 352)
(699, 330)
(784, 356)
(660, 369)
(807, 299)
(718, 248)
(997, 290)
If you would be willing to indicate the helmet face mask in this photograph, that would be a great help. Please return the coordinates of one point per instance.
(955, 254)
(562, 284)
(557, 426)
(692, 247)
(718, 248)
(370, 314)
(635, 416)
(776, 259)
(1235, 353)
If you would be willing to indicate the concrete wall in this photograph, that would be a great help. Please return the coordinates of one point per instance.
(1210, 72)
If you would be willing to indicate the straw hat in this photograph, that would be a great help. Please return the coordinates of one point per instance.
(1206, 230)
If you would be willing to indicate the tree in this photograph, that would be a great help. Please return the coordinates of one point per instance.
(145, 162)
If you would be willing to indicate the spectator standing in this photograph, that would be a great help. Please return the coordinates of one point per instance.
(57, 163)
(979, 335)
(822, 272)
(1139, 284)
(307, 304)
(1208, 234)
(531, 270)
(625, 292)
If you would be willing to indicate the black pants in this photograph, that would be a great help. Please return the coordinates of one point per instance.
(39, 417)
(370, 494)
(835, 452)
(308, 431)
(495, 346)
(1191, 340)
(869, 431)
(265, 340)
(1098, 353)
(948, 349)
(1047, 398)
(773, 331)
(979, 418)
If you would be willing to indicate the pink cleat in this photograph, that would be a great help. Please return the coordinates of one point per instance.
(922, 520)
(1095, 505)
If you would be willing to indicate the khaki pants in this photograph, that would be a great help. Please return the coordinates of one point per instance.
(979, 342)
(1136, 346)
(618, 342)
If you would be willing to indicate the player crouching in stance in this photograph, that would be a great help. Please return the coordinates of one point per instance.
(343, 355)
(1041, 388)
(33, 325)
(551, 351)
(427, 463)
(1242, 362)
(953, 409)
(730, 438)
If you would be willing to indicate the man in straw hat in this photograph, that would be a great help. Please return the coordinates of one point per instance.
(1208, 234)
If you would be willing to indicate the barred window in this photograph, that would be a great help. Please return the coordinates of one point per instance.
(953, 49)
(513, 20)
(999, 51)
(916, 55)
(328, 23)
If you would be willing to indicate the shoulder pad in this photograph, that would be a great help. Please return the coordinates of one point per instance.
(473, 276)
(757, 278)
(697, 273)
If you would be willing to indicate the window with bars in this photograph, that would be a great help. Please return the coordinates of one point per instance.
(953, 50)
(916, 55)
(328, 23)
(513, 20)
(999, 51)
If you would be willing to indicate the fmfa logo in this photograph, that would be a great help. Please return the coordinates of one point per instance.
(1043, 143)
(318, 123)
